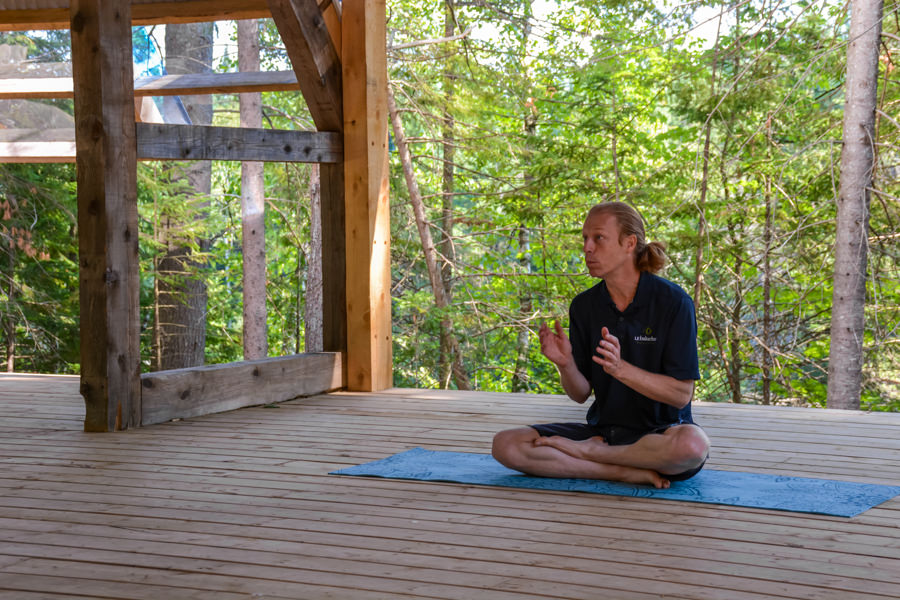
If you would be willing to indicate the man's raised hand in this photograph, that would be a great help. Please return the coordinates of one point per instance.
(609, 353)
(555, 345)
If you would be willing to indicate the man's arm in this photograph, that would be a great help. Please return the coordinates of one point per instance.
(555, 345)
(574, 383)
(656, 386)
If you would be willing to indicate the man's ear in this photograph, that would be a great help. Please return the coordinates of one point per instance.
(631, 242)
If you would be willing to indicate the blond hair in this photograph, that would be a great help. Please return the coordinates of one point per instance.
(648, 256)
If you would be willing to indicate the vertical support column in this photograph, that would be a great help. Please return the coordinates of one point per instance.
(334, 262)
(107, 213)
(364, 60)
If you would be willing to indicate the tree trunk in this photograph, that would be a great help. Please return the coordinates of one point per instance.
(614, 148)
(734, 339)
(519, 381)
(767, 337)
(526, 303)
(734, 366)
(704, 182)
(313, 324)
(701, 221)
(851, 245)
(9, 321)
(445, 236)
(526, 308)
(440, 298)
(253, 216)
(181, 298)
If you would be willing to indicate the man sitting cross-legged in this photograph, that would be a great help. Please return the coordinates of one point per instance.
(633, 342)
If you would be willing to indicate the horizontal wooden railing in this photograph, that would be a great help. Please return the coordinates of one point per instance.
(182, 393)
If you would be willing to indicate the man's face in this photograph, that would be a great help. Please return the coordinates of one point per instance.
(604, 254)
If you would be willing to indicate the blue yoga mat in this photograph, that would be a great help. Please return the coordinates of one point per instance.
(756, 490)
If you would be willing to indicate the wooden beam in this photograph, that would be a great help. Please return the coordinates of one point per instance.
(37, 145)
(56, 17)
(366, 196)
(54, 14)
(334, 261)
(154, 12)
(183, 393)
(216, 83)
(194, 142)
(157, 141)
(37, 152)
(38, 87)
(332, 15)
(107, 213)
(165, 85)
(313, 57)
(37, 135)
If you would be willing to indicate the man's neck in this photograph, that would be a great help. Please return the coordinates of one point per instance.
(622, 287)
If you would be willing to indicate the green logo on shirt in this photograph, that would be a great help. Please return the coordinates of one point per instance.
(647, 337)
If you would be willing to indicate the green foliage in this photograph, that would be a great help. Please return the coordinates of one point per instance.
(39, 267)
(42, 46)
(542, 110)
(619, 108)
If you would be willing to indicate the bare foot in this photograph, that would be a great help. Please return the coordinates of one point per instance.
(646, 476)
(590, 448)
(635, 475)
(583, 449)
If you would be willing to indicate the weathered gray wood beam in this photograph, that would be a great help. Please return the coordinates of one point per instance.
(54, 14)
(184, 142)
(314, 59)
(196, 391)
(37, 145)
(37, 135)
(216, 83)
(37, 152)
(164, 85)
(36, 87)
(193, 142)
(107, 213)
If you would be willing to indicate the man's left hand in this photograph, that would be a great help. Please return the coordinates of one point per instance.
(609, 353)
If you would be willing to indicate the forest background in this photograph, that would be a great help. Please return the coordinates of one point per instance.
(720, 122)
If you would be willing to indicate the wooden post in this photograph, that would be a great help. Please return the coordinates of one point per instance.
(107, 212)
(367, 224)
(334, 260)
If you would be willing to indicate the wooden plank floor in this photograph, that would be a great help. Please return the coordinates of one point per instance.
(239, 505)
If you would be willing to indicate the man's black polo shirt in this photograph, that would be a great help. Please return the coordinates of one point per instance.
(657, 332)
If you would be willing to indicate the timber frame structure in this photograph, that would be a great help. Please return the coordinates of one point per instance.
(338, 56)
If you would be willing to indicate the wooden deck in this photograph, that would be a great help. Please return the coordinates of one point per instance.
(239, 505)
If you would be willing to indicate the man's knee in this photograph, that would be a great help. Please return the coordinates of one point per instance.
(691, 445)
(507, 445)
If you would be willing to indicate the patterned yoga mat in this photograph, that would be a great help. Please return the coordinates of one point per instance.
(755, 490)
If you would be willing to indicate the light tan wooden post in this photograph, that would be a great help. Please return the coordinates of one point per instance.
(364, 60)
(107, 212)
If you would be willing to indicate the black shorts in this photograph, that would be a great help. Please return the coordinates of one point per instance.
(613, 435)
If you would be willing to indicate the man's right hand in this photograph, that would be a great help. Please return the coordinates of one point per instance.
(555, 345)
